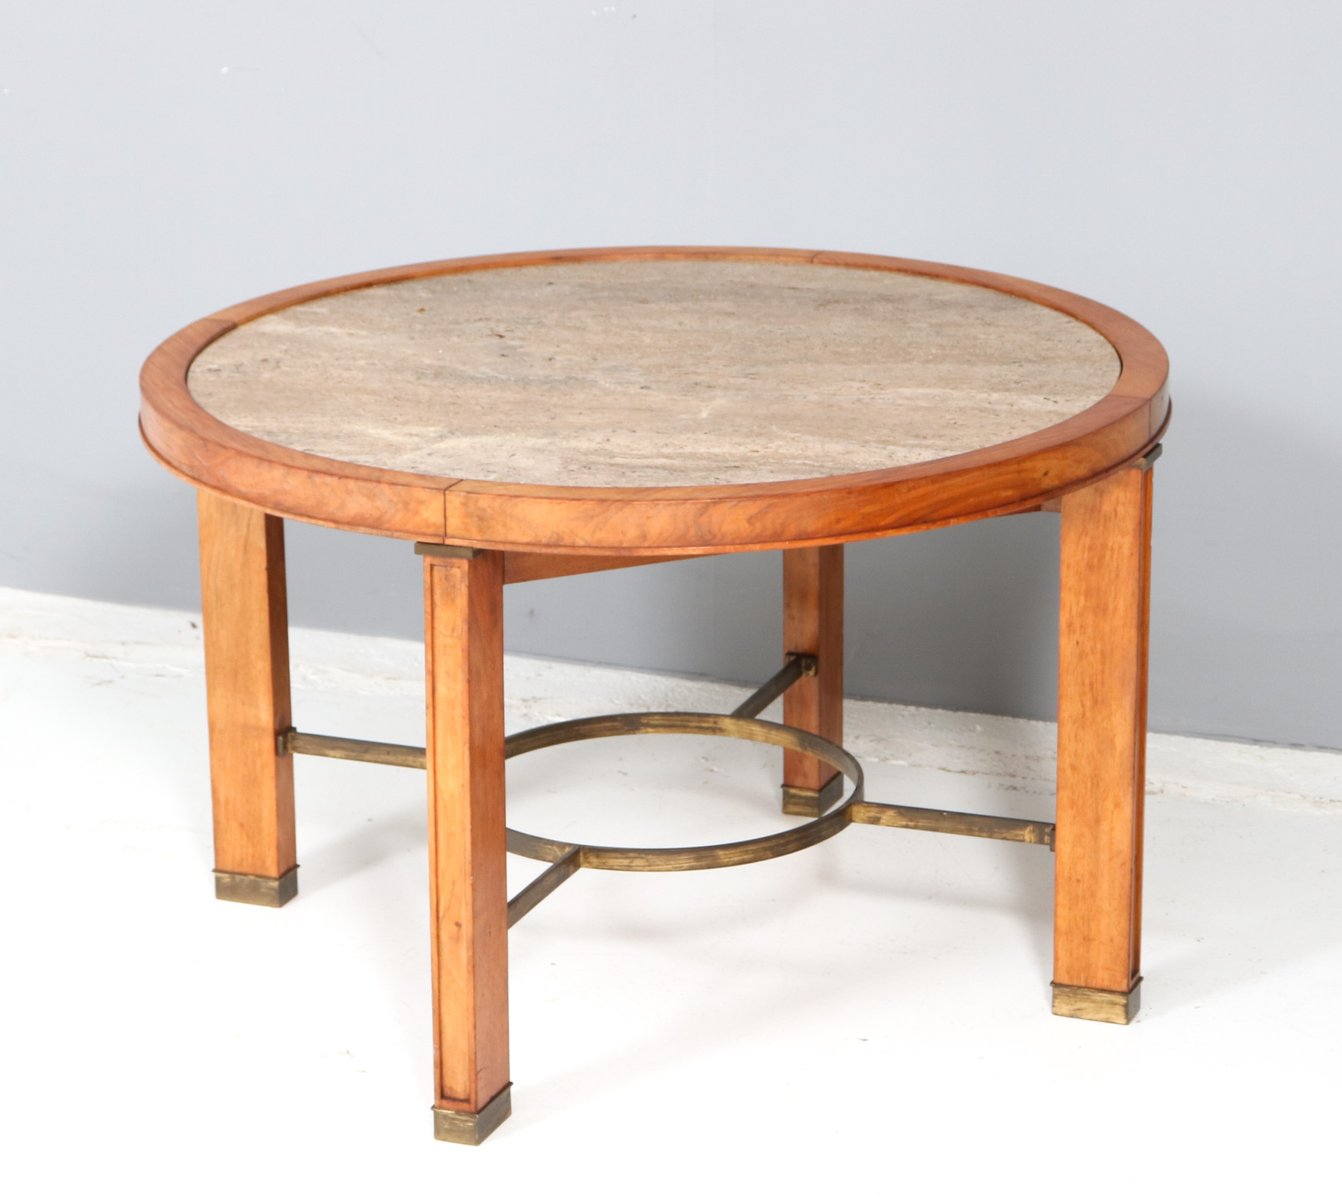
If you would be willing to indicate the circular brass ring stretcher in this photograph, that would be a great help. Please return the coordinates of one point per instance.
(688, 858)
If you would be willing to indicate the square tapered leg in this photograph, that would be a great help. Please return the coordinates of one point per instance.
(463, 631)
(1106, 557)
(246, 629)
(813, 624)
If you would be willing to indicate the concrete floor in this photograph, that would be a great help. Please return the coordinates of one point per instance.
(871, 1013)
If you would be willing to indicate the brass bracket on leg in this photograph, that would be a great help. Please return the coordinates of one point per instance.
(471, 1128)
(1097, 1004)
(1148, 460)
(435, 550)
(796, 667)
(808, 802)
(267, 891)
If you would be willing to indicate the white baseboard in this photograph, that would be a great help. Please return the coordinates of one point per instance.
(1008, 753)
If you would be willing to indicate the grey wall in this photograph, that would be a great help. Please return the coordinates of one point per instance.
(1178, 160)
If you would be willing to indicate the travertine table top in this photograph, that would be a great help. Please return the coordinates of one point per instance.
(650, 373)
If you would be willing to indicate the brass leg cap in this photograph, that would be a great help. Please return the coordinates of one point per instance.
(1097, 1004)
(468, 1128)
(265, 890)
(807, 802)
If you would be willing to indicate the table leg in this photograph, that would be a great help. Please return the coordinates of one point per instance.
(463, 629)
(1106, 557)
(813, 624)
(247, 695)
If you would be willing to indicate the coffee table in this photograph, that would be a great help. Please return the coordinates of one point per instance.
(526, 416)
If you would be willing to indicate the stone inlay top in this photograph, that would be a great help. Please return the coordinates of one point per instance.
(654, 373)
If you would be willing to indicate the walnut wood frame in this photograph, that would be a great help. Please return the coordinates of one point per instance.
(1092, 468)
(657, 521)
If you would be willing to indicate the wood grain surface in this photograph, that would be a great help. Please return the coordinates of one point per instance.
(1105, 597)
(463, 622)
(813, 624)
(246, 630)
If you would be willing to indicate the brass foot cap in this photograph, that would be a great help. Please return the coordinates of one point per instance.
(265, 890)
(468, 1128)
(1097, 1004)
(808, 802)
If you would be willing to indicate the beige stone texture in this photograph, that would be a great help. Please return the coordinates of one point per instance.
(654, 373)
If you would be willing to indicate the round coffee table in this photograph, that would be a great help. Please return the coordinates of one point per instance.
(527, 416)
